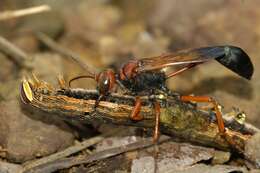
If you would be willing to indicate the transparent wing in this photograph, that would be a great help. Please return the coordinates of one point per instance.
(234, 58)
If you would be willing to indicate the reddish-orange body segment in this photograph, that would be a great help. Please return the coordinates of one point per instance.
(128, 71)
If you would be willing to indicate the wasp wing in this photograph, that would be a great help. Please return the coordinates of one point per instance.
(234, 58)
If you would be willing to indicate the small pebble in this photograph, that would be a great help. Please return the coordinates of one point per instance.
(220, 157)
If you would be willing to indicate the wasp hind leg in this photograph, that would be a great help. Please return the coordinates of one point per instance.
(220, 121)
(207, 99)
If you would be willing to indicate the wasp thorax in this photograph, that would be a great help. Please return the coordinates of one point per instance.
(128, 71)
(106, 81)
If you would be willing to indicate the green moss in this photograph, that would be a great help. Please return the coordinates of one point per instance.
(181, 119)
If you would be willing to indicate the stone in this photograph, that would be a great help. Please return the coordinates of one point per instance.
(27, 136)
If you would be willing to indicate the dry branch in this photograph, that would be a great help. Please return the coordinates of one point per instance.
(24, 12)
(76, 160)
(62, 154)
(51, 44)
(18, 56)
(177, 119)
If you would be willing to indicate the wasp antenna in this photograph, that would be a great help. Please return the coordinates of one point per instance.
(80, 77)
(235, 59)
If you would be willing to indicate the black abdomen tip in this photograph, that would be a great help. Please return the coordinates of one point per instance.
(237, 60)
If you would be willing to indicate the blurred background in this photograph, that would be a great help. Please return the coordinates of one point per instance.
(106, 33)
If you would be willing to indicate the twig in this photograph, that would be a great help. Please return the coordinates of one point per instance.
(177, 119)
(63, 51)
(229, 118)
(72, 161)
(24, 12)
(67, 152)
(18, 56)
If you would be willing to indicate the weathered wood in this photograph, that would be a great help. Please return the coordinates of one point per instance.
(177, 119)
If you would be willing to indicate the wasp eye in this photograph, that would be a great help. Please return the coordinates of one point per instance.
(106, 82)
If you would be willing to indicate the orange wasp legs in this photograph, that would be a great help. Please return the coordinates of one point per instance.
(135, 115)
(138, 104)
(207, 99)
(156, 134)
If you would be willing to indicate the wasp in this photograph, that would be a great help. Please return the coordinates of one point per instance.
(146, 76)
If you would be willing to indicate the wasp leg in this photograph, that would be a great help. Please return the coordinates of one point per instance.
(207, 99)
(135, 115)
(122, 87)
(180, 70)
(157, 121)
(97, 103)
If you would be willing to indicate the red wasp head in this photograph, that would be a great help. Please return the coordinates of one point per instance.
(105, 80)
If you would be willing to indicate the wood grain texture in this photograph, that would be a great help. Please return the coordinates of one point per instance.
(178, 119)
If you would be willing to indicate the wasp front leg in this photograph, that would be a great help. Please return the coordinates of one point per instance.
(96, 104)
(135, 115)
(100, 97)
